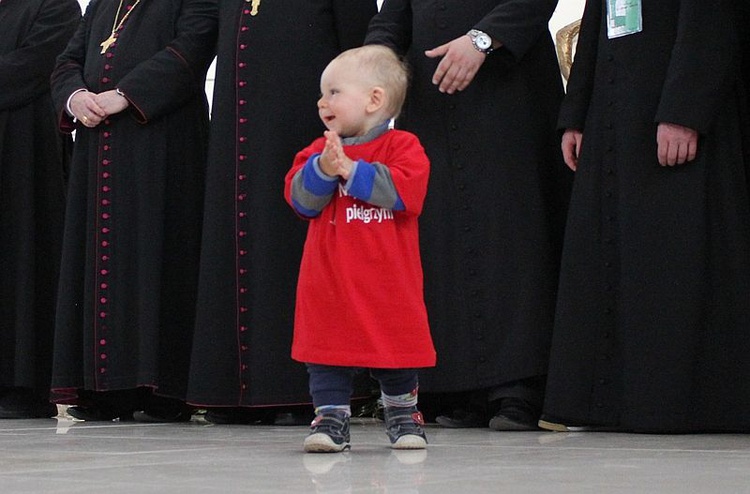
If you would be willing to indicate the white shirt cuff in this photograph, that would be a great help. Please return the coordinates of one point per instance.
(67, 103)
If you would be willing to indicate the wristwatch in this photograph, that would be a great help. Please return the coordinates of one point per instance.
(481, 41)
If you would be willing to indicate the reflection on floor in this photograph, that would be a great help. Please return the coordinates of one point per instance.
(64, 456)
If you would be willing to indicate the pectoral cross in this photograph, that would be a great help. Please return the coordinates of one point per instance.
(254, 7)
(107, 43)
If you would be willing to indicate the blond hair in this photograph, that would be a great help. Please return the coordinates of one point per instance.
(383, 68)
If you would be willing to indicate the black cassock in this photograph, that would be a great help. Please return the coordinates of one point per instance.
(743, 27)
(653, 315)
(492, 221)
(133, 221)
(264, 112)
(32, 161)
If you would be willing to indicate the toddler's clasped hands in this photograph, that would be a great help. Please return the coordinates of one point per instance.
(333, 160)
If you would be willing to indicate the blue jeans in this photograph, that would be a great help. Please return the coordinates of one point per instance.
(331, 385)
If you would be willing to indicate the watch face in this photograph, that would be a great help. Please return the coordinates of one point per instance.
(483, 41)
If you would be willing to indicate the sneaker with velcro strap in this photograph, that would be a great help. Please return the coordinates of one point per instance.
(403, 425)
(329, 433)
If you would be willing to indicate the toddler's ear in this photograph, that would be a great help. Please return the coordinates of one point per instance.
(377, 99)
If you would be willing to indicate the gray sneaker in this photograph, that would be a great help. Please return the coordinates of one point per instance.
(404, 428)
(329, 433)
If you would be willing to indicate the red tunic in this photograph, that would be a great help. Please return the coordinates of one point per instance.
(360, 296)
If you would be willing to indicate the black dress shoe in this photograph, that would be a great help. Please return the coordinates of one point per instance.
(462, 419)
(557, 424)
(96, 414)
(158, 417)
(105, 406)
(160, 409)
(515, 414)
(237, 415)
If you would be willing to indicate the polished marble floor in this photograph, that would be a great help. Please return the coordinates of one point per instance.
(63, 456)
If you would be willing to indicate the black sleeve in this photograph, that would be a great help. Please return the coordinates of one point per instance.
(25, 71)
(173, 75)
(392, 26)
(518, 24)
(352, 18)
(703, 65)
(68, 74)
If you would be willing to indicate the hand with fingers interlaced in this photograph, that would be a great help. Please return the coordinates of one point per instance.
(111, 101)
(86, 110)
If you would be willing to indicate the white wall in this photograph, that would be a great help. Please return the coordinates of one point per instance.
(567, 11)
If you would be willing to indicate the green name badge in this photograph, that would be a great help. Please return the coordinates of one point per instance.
(624, 18)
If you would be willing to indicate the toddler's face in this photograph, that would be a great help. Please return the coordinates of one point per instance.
(344, 99)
